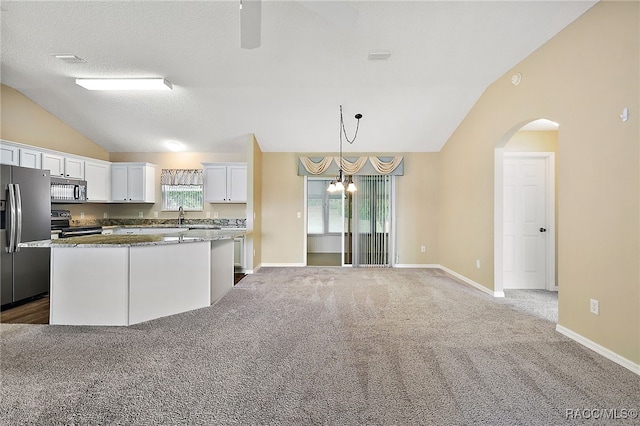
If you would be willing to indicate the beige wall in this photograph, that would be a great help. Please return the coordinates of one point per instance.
(283, 233)
(24, 121)
(417, 209)
(253, 240)
(533, 141)
(582, 79)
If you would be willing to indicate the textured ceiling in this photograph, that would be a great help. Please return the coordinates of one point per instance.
(288, 91)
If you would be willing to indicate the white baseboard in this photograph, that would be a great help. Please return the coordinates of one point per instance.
(599, 349)
(417, 265)
(472, 283)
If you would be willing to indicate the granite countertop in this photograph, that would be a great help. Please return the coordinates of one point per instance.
(168, 225)
(188, 236)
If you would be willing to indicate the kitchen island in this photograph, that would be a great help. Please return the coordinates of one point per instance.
(128, 279)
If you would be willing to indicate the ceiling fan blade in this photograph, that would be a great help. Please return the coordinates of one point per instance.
(338, 12)
(250, 23)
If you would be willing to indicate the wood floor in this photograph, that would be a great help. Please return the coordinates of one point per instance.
(37, 311)
(33, 312)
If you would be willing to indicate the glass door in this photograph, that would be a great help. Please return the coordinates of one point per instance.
(371, 228)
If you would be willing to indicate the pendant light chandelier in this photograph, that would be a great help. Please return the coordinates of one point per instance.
(339, 184)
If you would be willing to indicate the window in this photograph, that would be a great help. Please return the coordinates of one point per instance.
(324, 209)
(182, 187)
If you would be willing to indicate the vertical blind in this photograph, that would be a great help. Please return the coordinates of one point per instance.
(372, 221)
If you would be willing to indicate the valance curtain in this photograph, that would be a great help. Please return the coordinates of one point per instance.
(181, 177)
(359, 165)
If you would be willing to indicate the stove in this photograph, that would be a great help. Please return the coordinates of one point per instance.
(61, 221)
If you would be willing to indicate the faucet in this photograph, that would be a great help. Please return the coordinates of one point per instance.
(180, 215)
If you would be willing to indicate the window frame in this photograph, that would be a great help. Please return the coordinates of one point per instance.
(164, 186)
(326, 197)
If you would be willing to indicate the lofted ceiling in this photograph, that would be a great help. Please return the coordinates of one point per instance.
(288, 91)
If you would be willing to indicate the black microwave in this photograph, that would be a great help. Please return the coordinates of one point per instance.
(67, 191)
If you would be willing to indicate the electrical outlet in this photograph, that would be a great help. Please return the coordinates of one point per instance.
(594, 306)
(155, 215)
(140, 214)
(423, 249)
(478, 263)
(81, 215)
(299, 215)
(215, 215)
(208, 215)
(105, 215)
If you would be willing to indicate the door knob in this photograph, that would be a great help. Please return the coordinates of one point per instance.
(543, 229)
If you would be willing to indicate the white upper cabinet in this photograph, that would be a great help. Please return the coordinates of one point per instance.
(133, 182)
(30, 158)
(225, 182)
(215, 184)
(59, 165)
(74, 168)
(98, 177)
(53, 163)
(18, 155)
(9, 154)
(237, 184)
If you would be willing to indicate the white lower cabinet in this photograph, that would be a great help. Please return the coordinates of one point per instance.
(128, 285)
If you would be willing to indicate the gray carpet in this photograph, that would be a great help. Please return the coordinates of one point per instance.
(333, 346)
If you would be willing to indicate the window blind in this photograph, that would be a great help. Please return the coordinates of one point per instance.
(182, 188)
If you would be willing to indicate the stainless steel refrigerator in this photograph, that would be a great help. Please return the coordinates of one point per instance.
(25, 215)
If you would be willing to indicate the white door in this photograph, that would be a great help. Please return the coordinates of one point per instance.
(525, 223)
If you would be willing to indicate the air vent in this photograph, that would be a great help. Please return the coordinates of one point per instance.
(70, 59)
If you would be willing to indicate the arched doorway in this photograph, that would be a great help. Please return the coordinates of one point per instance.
(528, 146)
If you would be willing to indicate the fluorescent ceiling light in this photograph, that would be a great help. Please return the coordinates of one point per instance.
(124, 83)
(379, 54)
(69, 58)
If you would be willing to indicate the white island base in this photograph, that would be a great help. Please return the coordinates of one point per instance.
(125, 285)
